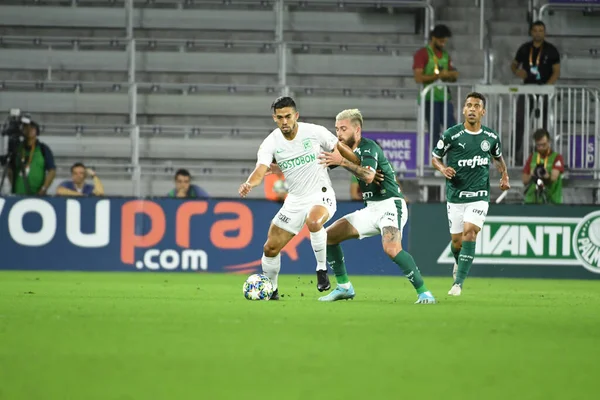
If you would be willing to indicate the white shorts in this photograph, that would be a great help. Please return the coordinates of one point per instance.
(371, 220)
(473, 213)
(292, 215)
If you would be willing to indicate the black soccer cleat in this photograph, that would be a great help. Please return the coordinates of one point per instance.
(323, 283)
(275, 295)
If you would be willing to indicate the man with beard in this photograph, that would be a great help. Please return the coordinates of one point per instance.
(430, 65)
(385, 213)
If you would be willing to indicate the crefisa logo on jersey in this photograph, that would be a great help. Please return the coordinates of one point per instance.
(485, 146)
(586, 242)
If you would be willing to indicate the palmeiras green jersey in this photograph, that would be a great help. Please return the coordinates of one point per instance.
(372, 157)
(470, 154)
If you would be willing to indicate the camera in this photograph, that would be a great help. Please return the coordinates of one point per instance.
(13, 126)
(540, 171)
(13, 129)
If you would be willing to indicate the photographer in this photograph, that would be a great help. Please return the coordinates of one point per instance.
(542, 174)
(32, 169)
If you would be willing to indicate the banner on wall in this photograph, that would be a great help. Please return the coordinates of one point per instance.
(515, 241)
(116, 234)
(400, 148)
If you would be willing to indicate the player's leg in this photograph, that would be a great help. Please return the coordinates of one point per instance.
(277, 238)
(474, 217)
(285, 225)
(358, 224)
(317, 216)
(456, 223)
(392, 217)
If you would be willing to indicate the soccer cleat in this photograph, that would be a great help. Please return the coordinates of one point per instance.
(275, 295)
(323, 281)
(455, 289)
(339, 293)
(454, 271)
(425, 298)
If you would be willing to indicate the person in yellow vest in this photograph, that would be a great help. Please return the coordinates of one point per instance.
(543, 172)
(431, 65)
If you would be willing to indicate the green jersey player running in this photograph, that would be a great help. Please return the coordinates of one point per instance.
(468, 147)
(385, 212)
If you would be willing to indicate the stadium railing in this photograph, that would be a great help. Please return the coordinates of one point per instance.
(573, 121)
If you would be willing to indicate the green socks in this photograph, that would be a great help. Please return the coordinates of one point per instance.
(465, 259)
(406, 262)
(335, 258)
(455, 252)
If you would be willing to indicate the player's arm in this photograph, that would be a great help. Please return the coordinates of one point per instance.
(347, 153)
(264, 159)
(496, 152)
(438, 153)
(255, 179)
(365, 174)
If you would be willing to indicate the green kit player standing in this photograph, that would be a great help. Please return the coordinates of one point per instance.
(385, 212)
(469, 147)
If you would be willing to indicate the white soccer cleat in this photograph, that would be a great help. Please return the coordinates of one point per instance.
(455, 290)
(454, 271)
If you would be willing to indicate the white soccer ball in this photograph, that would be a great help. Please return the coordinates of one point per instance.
(280, 187)
(258, 287)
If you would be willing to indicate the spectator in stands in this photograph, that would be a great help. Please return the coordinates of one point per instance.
(537, 62)
(355, 192)
(432, 64)
(275, 186)
(184, 188)
(543, 172)
(76, 186)
(32, 170)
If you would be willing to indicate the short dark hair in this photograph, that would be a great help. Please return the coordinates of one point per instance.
(441, 32)
(183, 172)
(540, 134)
(476, 95)
(537, 23)
(76, 165)
(283, 102)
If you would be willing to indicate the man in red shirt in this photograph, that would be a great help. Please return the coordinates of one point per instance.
(432, 64)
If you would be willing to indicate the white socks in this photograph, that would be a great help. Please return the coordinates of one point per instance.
(271, 267)
(318, 240)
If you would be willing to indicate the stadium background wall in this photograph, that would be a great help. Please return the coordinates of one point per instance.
(122, 234)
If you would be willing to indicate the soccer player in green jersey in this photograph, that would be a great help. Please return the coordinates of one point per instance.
(385, 212)
(468, 147)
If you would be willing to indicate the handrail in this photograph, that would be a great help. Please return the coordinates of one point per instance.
(565, 6)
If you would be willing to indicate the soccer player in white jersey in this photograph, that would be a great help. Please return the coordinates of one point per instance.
(295, 147)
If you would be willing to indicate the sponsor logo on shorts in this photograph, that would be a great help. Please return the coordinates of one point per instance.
(283, 218)
(479, 212)
(476, 161)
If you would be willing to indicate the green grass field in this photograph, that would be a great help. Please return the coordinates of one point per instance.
(194, 336)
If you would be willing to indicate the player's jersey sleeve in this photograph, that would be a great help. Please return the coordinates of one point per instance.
(496, 150)
(327, 139)
(369, 156)
(266, 151)
(442, 146)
